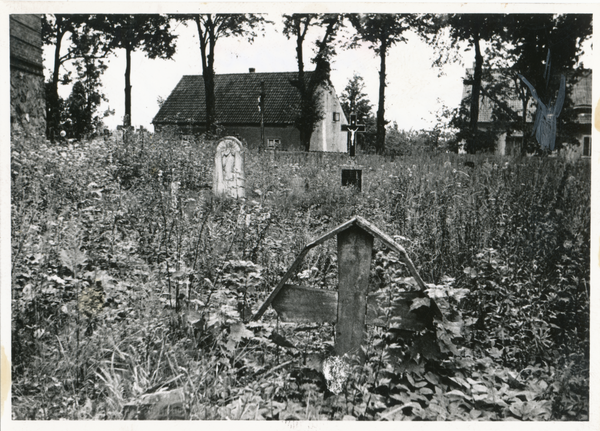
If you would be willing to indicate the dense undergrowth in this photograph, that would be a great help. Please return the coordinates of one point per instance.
(125, 284)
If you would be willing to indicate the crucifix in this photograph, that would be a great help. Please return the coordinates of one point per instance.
(352, 174)
(352, 129)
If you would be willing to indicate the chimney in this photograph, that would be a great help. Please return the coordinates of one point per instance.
(251, 70)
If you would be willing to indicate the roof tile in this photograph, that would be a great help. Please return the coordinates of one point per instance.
(236, 99)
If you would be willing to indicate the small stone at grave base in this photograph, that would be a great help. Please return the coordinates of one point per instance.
(336, 371)
(166, 405)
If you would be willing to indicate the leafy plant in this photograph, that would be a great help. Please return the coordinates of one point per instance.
(129, 278)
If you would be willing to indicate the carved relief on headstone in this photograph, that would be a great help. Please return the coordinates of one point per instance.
(228, 177)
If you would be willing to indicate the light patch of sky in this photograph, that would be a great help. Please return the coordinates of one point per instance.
(415, 89)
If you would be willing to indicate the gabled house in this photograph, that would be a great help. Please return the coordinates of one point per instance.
(508, 142)
(237, 110)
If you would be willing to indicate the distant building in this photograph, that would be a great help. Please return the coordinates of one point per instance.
(27, 93)
(580, 94)
(237, 110)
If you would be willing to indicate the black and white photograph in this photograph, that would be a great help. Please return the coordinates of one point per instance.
(298, 212)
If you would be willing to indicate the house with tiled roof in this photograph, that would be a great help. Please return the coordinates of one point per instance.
(237, 110)
(579, 93)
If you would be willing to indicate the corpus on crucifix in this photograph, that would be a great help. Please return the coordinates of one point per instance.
(352, 129)
(352, 174)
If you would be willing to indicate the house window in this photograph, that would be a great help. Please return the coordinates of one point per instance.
(587, 146)
(272, 144)
(336, 116)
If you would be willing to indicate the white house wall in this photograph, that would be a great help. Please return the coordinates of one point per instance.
(328, 135)
(572, 152)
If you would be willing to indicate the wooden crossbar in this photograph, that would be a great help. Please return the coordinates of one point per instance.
(360, 222)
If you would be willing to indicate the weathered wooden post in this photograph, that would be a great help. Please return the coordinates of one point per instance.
(354, 266)
(352, 306)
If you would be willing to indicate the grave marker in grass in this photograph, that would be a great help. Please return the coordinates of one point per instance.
(351, 307)
(228, 177)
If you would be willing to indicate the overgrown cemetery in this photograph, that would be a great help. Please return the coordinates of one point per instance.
(137, 299)
(272, 252)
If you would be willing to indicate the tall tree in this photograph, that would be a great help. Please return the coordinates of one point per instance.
(84, 41)
(211, 28)
(542, 47)
(354, 99)
(149, 33)
(473, 29)
(297, 25)
(81, 107)
(381, 32)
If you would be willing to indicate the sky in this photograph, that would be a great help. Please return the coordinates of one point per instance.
(415, 89)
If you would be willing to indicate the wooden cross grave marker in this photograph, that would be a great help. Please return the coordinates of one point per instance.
(351, 307)
(352, 175)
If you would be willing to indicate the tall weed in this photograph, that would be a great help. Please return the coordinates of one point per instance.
(129, 277)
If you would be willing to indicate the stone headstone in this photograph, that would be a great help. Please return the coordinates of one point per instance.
(298, 185)
(228, 177)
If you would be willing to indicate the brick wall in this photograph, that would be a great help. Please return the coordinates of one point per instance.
(27, 94)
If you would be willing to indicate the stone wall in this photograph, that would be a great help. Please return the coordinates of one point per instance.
(27, 94)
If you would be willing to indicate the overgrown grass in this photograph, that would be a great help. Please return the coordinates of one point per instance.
(123, 284)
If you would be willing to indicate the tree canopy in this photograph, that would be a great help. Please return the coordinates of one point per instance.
(211, 28)
(380, 32)
(149, 33)
(353, 99)
(310, 110)
(543, 48)
(85, 44)
(539, 47)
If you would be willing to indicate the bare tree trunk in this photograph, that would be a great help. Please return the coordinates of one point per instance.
(380, 137)
(53, 114)
(304, 96)
(127, 118)
(476, 90)
(207, 47)
(209, 90)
